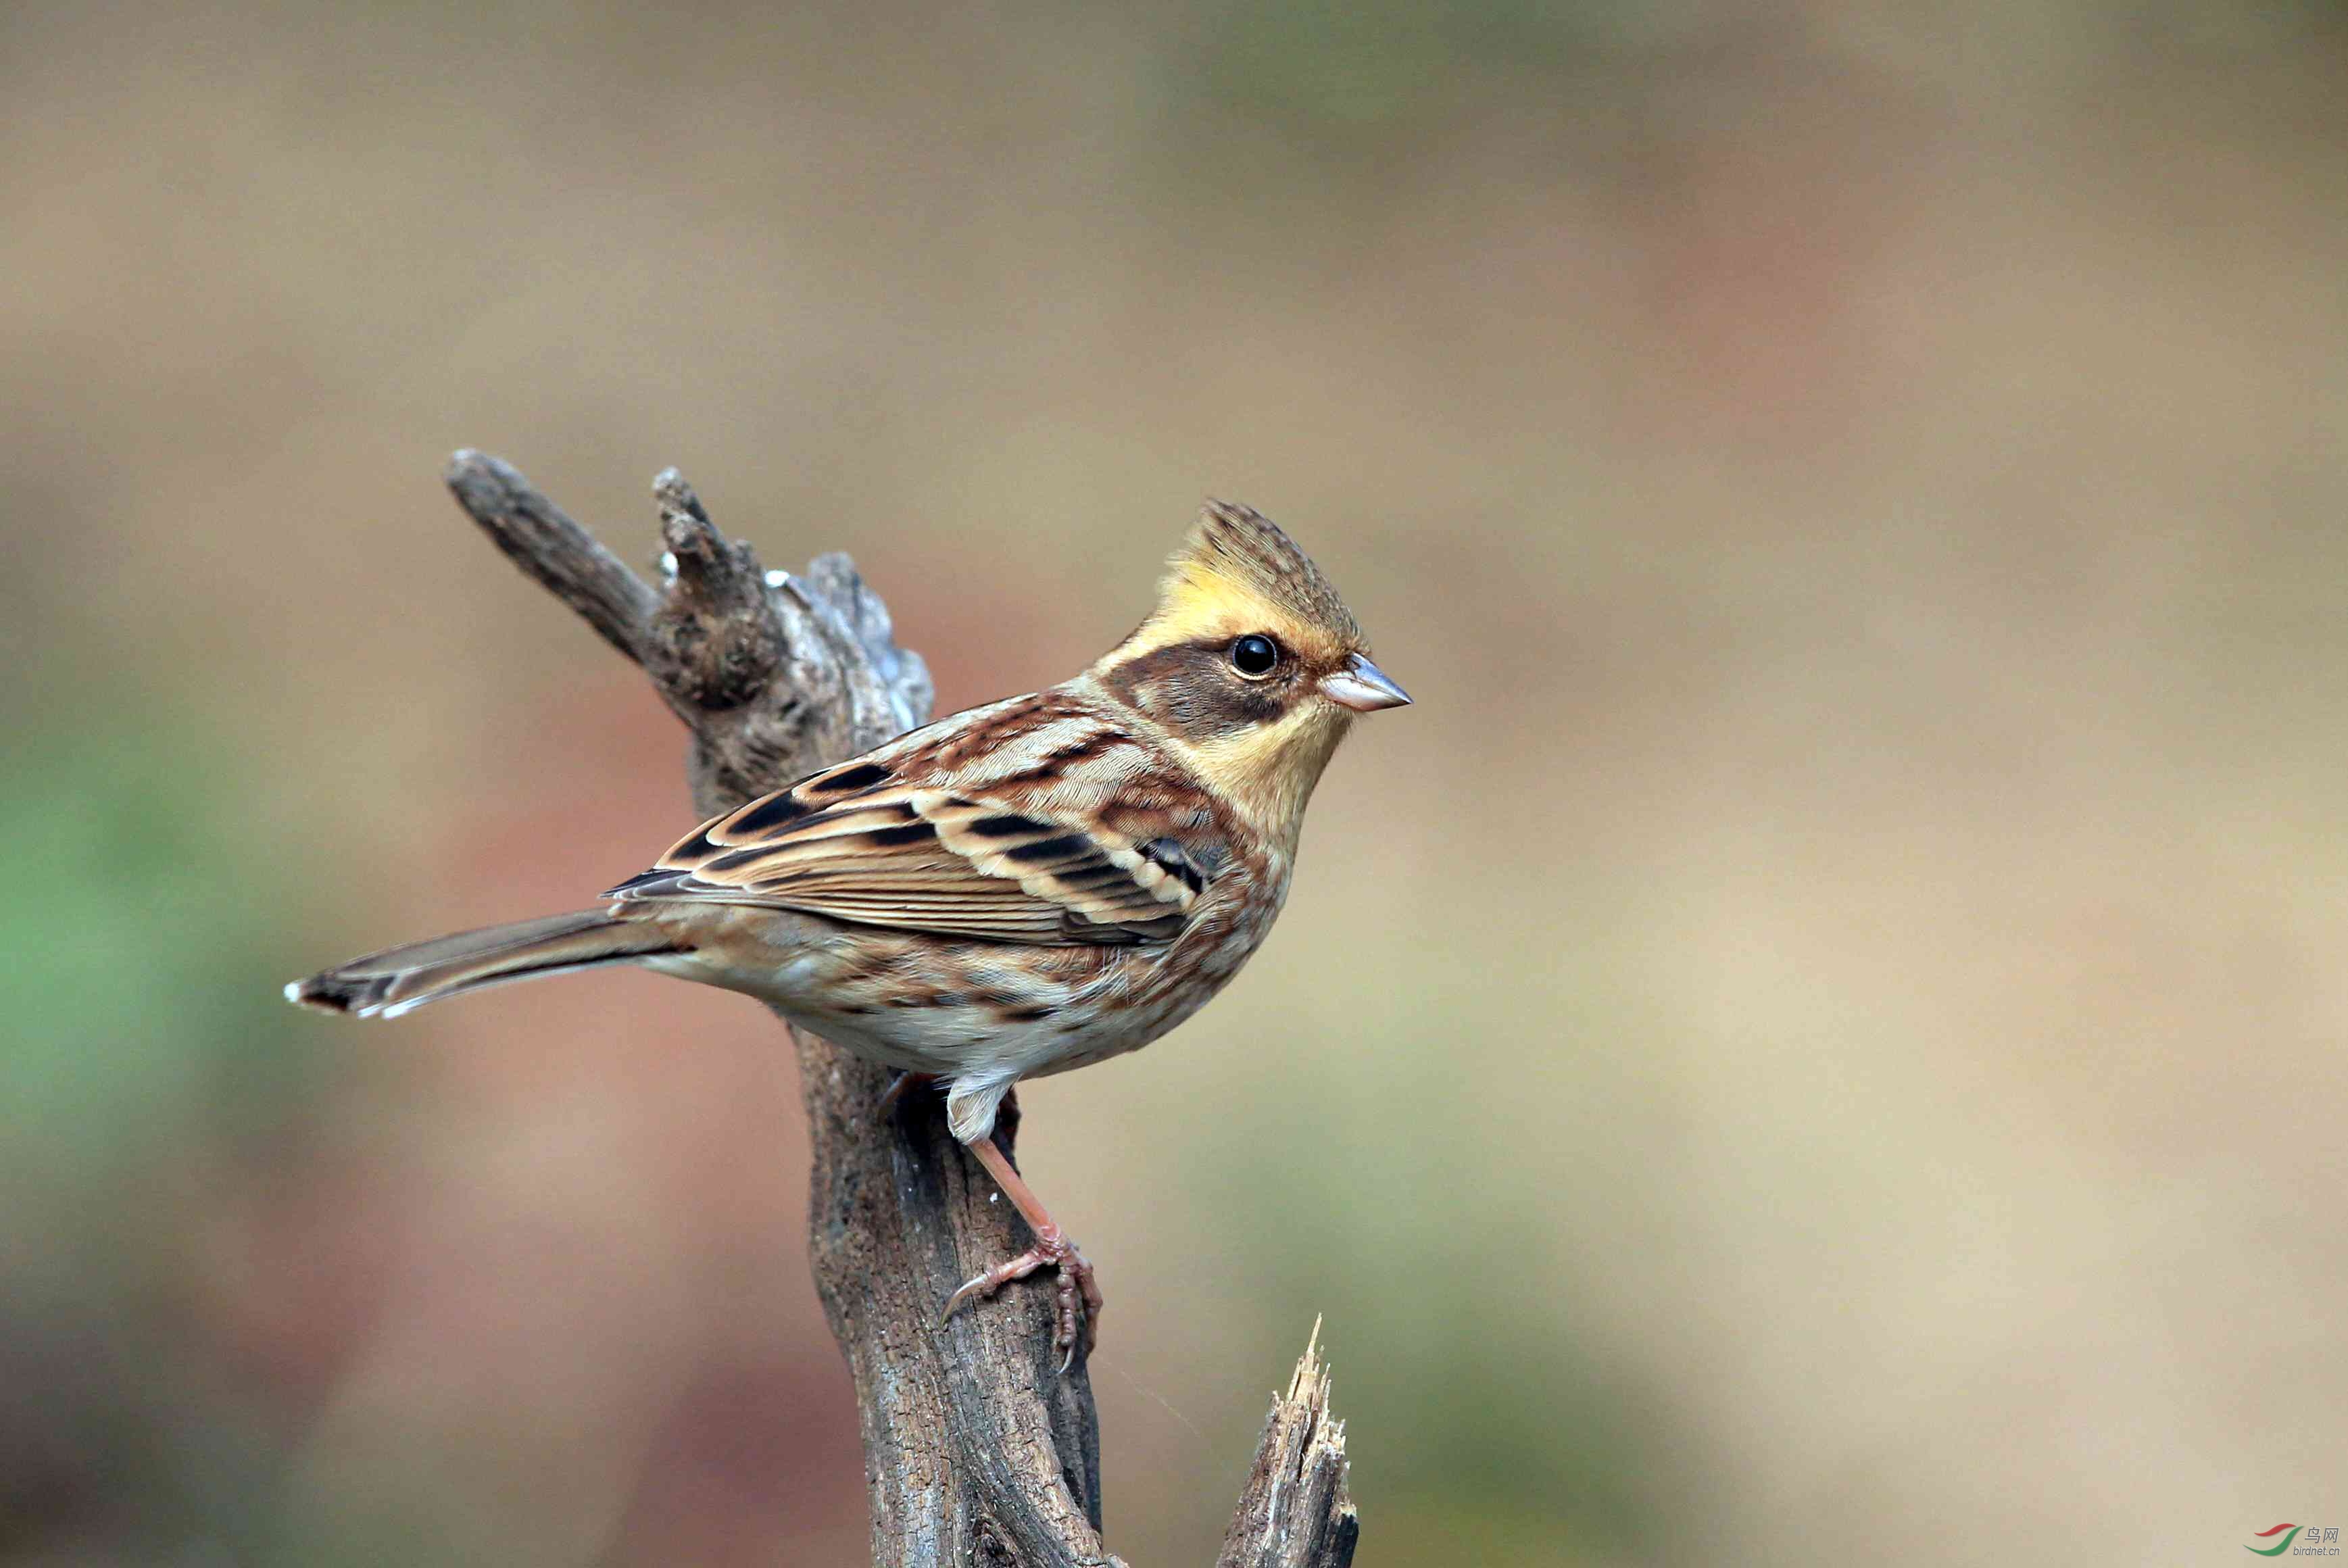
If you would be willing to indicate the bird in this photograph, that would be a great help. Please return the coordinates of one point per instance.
(1016, 889)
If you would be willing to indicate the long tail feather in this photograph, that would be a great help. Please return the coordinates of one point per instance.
(387, 983)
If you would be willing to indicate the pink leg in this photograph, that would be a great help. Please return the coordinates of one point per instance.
(1076, 1302)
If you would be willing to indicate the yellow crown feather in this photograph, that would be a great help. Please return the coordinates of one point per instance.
(1235, 559)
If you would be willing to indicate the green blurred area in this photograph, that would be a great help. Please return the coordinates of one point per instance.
(1820, 1033)
(148, 1068)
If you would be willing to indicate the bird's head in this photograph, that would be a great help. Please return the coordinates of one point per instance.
(1250, 664)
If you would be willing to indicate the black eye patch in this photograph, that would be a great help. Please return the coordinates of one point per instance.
(1189, 688)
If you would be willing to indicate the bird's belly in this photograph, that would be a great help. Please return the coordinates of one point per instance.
(947, 1044)
(1034, 1029)
(920, 1004)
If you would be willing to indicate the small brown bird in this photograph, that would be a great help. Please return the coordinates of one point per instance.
(1014, 891)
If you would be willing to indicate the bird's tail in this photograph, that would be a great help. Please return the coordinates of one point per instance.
(387, 983)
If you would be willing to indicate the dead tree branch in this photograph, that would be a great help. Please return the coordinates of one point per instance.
(1295, 1507)
(975, 1450)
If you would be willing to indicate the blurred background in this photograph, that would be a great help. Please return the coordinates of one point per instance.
(1821, 1035)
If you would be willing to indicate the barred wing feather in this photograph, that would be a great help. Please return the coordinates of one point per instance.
(857, 845)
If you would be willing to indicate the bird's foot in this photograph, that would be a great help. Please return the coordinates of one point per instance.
(1077, 1298)
(894, 1094)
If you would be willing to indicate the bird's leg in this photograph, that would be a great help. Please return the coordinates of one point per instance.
(894, 1094)
(1076, 1302)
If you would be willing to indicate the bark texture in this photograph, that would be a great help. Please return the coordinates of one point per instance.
(1295, 1507)
(975, 1451)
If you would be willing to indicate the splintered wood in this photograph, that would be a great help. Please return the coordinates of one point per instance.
(1295, 1510)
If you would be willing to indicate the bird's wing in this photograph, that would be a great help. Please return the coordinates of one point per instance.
(858, 843)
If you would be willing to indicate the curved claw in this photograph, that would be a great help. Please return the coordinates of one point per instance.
(1075, 1297)
(894, 1094)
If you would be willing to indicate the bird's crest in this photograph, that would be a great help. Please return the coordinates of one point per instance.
(1234, 559)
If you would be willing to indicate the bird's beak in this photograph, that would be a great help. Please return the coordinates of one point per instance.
(1362, 686)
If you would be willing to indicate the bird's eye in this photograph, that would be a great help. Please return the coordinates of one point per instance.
(1254, 655)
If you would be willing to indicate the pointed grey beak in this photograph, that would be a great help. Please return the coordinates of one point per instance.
(1362, 686)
